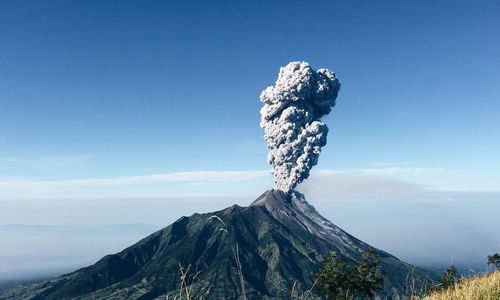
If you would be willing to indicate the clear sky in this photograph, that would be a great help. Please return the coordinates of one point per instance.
(110, 99)
(93, 89)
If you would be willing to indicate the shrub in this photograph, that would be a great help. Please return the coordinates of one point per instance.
(494, 260)
(343, 279)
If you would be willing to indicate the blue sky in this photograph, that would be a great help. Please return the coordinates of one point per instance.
(118, 99)
(126, 88)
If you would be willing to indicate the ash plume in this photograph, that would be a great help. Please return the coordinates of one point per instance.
(290, 119)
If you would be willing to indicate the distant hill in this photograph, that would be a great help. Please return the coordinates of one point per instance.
(8, 284)
(264, 251)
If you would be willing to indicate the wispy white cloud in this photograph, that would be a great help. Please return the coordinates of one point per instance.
(400, 171)
(387, 171)
(199, 177)
(194, 177)
(41, 187)
(370, 180)
(389, 164)
(379, 164)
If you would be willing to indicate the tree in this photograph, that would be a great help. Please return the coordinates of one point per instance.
(449, 277)
(494, 260)
(343, 279)
(447, 280)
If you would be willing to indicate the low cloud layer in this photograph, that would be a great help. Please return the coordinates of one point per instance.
(419, 225)
(371, 185)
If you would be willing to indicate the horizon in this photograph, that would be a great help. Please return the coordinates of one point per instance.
(123, 113)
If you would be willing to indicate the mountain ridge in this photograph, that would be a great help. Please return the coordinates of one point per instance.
(271, 245)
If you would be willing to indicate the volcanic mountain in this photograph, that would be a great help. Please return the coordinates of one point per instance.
(267, 250)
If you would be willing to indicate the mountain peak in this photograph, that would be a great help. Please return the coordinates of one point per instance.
(293, 211)
(272, 197)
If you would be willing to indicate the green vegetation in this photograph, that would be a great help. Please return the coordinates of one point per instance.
(343, 279)
(448, 280)
(494, 260)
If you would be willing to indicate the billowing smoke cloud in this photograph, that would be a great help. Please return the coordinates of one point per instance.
(290, 119)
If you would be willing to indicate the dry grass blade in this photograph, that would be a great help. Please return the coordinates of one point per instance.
(184, 284)
(235, 250)
(238, 264)
(486, 287)
(292, 293)
(314, 284)
(218, 218)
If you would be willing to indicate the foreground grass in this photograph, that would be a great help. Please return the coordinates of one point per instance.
(486, 287)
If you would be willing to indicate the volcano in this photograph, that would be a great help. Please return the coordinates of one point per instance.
(267, 250)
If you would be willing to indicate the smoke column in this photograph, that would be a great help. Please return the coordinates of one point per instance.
(290, 119)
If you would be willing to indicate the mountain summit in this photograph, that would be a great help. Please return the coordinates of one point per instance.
(297, 214)
(263, 251)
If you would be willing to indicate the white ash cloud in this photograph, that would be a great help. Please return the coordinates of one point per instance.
(290, 119)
